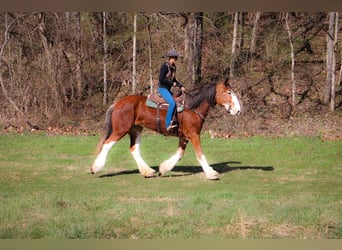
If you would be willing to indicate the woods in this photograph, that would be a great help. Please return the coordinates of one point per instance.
(62, 70)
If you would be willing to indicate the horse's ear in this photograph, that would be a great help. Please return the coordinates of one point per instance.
(227, 82)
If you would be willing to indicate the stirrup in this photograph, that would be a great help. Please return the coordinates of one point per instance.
(170, 127)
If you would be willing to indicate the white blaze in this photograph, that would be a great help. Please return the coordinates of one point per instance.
(236, 108)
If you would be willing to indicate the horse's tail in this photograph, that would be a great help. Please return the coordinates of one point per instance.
(107, 129)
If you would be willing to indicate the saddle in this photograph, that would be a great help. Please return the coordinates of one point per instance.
(155, 100)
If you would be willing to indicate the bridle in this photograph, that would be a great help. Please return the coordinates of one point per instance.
(199, 114)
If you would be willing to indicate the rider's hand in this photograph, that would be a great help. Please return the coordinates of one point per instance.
(183, 89)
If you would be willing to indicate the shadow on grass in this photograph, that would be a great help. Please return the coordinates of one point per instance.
(221, 167)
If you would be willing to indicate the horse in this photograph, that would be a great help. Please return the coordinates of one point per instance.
(130, 115)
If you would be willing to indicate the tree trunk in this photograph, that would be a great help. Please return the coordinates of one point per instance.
(330, 81)
(150, 53)
(52, 84)
(198, 47)
(78, 57)
(134, 83)
(340, 74)
(194, 47)
(188, 53)
(242, 30)
(105, 55)
(233, 54)
(254, 34)
(332, 100)
(293, 83)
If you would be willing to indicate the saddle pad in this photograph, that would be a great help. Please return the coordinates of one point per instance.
(152, 104)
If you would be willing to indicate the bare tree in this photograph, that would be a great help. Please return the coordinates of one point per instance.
(150, 51)
(233, 54)
(293, 83)
(194, 46)
(340, 73)
(242, 17)
(48, 54)
(332, 101)
(254, 33)
(78, 57)
(198, 46)
(134, 77)
(8, 26)
(104, 31)
(331, 60)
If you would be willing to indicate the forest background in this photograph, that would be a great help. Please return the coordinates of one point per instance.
(59, 71)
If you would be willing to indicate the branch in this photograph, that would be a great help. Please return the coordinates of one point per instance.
(6, 40)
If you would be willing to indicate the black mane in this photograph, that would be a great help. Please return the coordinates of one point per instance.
(195, 97)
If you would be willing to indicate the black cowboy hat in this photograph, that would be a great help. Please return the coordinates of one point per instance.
(172, 53)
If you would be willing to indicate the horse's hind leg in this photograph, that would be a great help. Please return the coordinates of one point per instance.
(135, 135)
(100, 160)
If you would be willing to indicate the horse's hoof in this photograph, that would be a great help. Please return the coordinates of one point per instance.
(150, 175)
(160, 173)
(213, 177)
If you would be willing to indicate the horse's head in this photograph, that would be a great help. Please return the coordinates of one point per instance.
(227, 98)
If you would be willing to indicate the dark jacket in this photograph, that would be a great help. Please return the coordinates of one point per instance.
(167, 76)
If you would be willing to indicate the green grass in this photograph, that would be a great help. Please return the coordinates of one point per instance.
(269, 188)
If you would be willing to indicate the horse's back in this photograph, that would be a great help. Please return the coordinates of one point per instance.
(128, 107)
(129, 101)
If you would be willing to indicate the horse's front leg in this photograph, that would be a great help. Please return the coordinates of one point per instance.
(210, 173)
(172, 161)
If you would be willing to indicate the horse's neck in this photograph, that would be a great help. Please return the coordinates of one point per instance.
(203, 108)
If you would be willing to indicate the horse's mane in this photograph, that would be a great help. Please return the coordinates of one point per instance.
(196, 96)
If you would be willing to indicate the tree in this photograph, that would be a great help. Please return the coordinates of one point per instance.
(78, 57)
(233, 54)
(194, 46)
(134, 77)
(332, 101)
(293, 83)
(254, 33)
(8, 27)
(242, 17)
(104, 59)
(149, 51)
(57, 67)
(331, 59)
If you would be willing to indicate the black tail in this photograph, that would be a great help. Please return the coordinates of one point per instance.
(107, 129)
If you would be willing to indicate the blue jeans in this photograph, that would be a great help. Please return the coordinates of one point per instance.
(166, 94)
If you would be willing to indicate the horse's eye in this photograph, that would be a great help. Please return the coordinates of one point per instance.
(229, 92)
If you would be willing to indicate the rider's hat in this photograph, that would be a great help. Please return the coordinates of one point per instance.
(172, 53)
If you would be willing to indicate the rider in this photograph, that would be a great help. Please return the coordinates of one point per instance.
(167, 79)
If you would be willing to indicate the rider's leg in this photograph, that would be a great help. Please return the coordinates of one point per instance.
(166, 94)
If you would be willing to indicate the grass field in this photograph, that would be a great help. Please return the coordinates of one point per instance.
(269, 188)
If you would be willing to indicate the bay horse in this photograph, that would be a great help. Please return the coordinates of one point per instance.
(130, 114)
